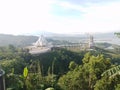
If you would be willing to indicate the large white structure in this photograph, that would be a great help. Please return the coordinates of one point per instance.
(41, 42)
(40, 46)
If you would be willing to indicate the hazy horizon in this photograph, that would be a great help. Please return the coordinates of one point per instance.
(59, 16)
(45, 33)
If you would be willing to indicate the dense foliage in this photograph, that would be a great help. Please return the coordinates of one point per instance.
(60, 69)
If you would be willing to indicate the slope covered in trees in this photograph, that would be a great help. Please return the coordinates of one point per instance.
(59, 69)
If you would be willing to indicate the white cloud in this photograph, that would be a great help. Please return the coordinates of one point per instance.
(68, 5)
(96, 18)
(22, 16)
(25, 16)
(104, 18)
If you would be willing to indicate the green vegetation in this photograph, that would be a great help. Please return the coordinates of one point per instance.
(117, 34)
(60, 69)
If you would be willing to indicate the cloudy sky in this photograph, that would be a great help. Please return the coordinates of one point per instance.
(59, 16)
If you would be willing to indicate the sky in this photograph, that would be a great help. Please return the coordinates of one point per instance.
(59, 16)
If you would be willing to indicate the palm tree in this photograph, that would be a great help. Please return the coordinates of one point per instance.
(111, 73)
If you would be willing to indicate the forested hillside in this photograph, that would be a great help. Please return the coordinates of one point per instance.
(60, 69)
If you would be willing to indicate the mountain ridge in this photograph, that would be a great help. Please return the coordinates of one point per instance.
(25, 40)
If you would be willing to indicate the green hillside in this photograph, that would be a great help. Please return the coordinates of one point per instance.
(19, 40)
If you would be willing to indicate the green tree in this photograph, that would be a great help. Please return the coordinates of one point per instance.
(72, 65)
(110, 79)
(85, 76)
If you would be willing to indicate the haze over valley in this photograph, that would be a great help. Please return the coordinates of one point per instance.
(59, 44)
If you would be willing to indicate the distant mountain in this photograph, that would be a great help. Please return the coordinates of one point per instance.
(51, 34)
(19, 40)
(107, 37)
(98, 37)
(28, 39)
(104, 35)
(39, 33)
